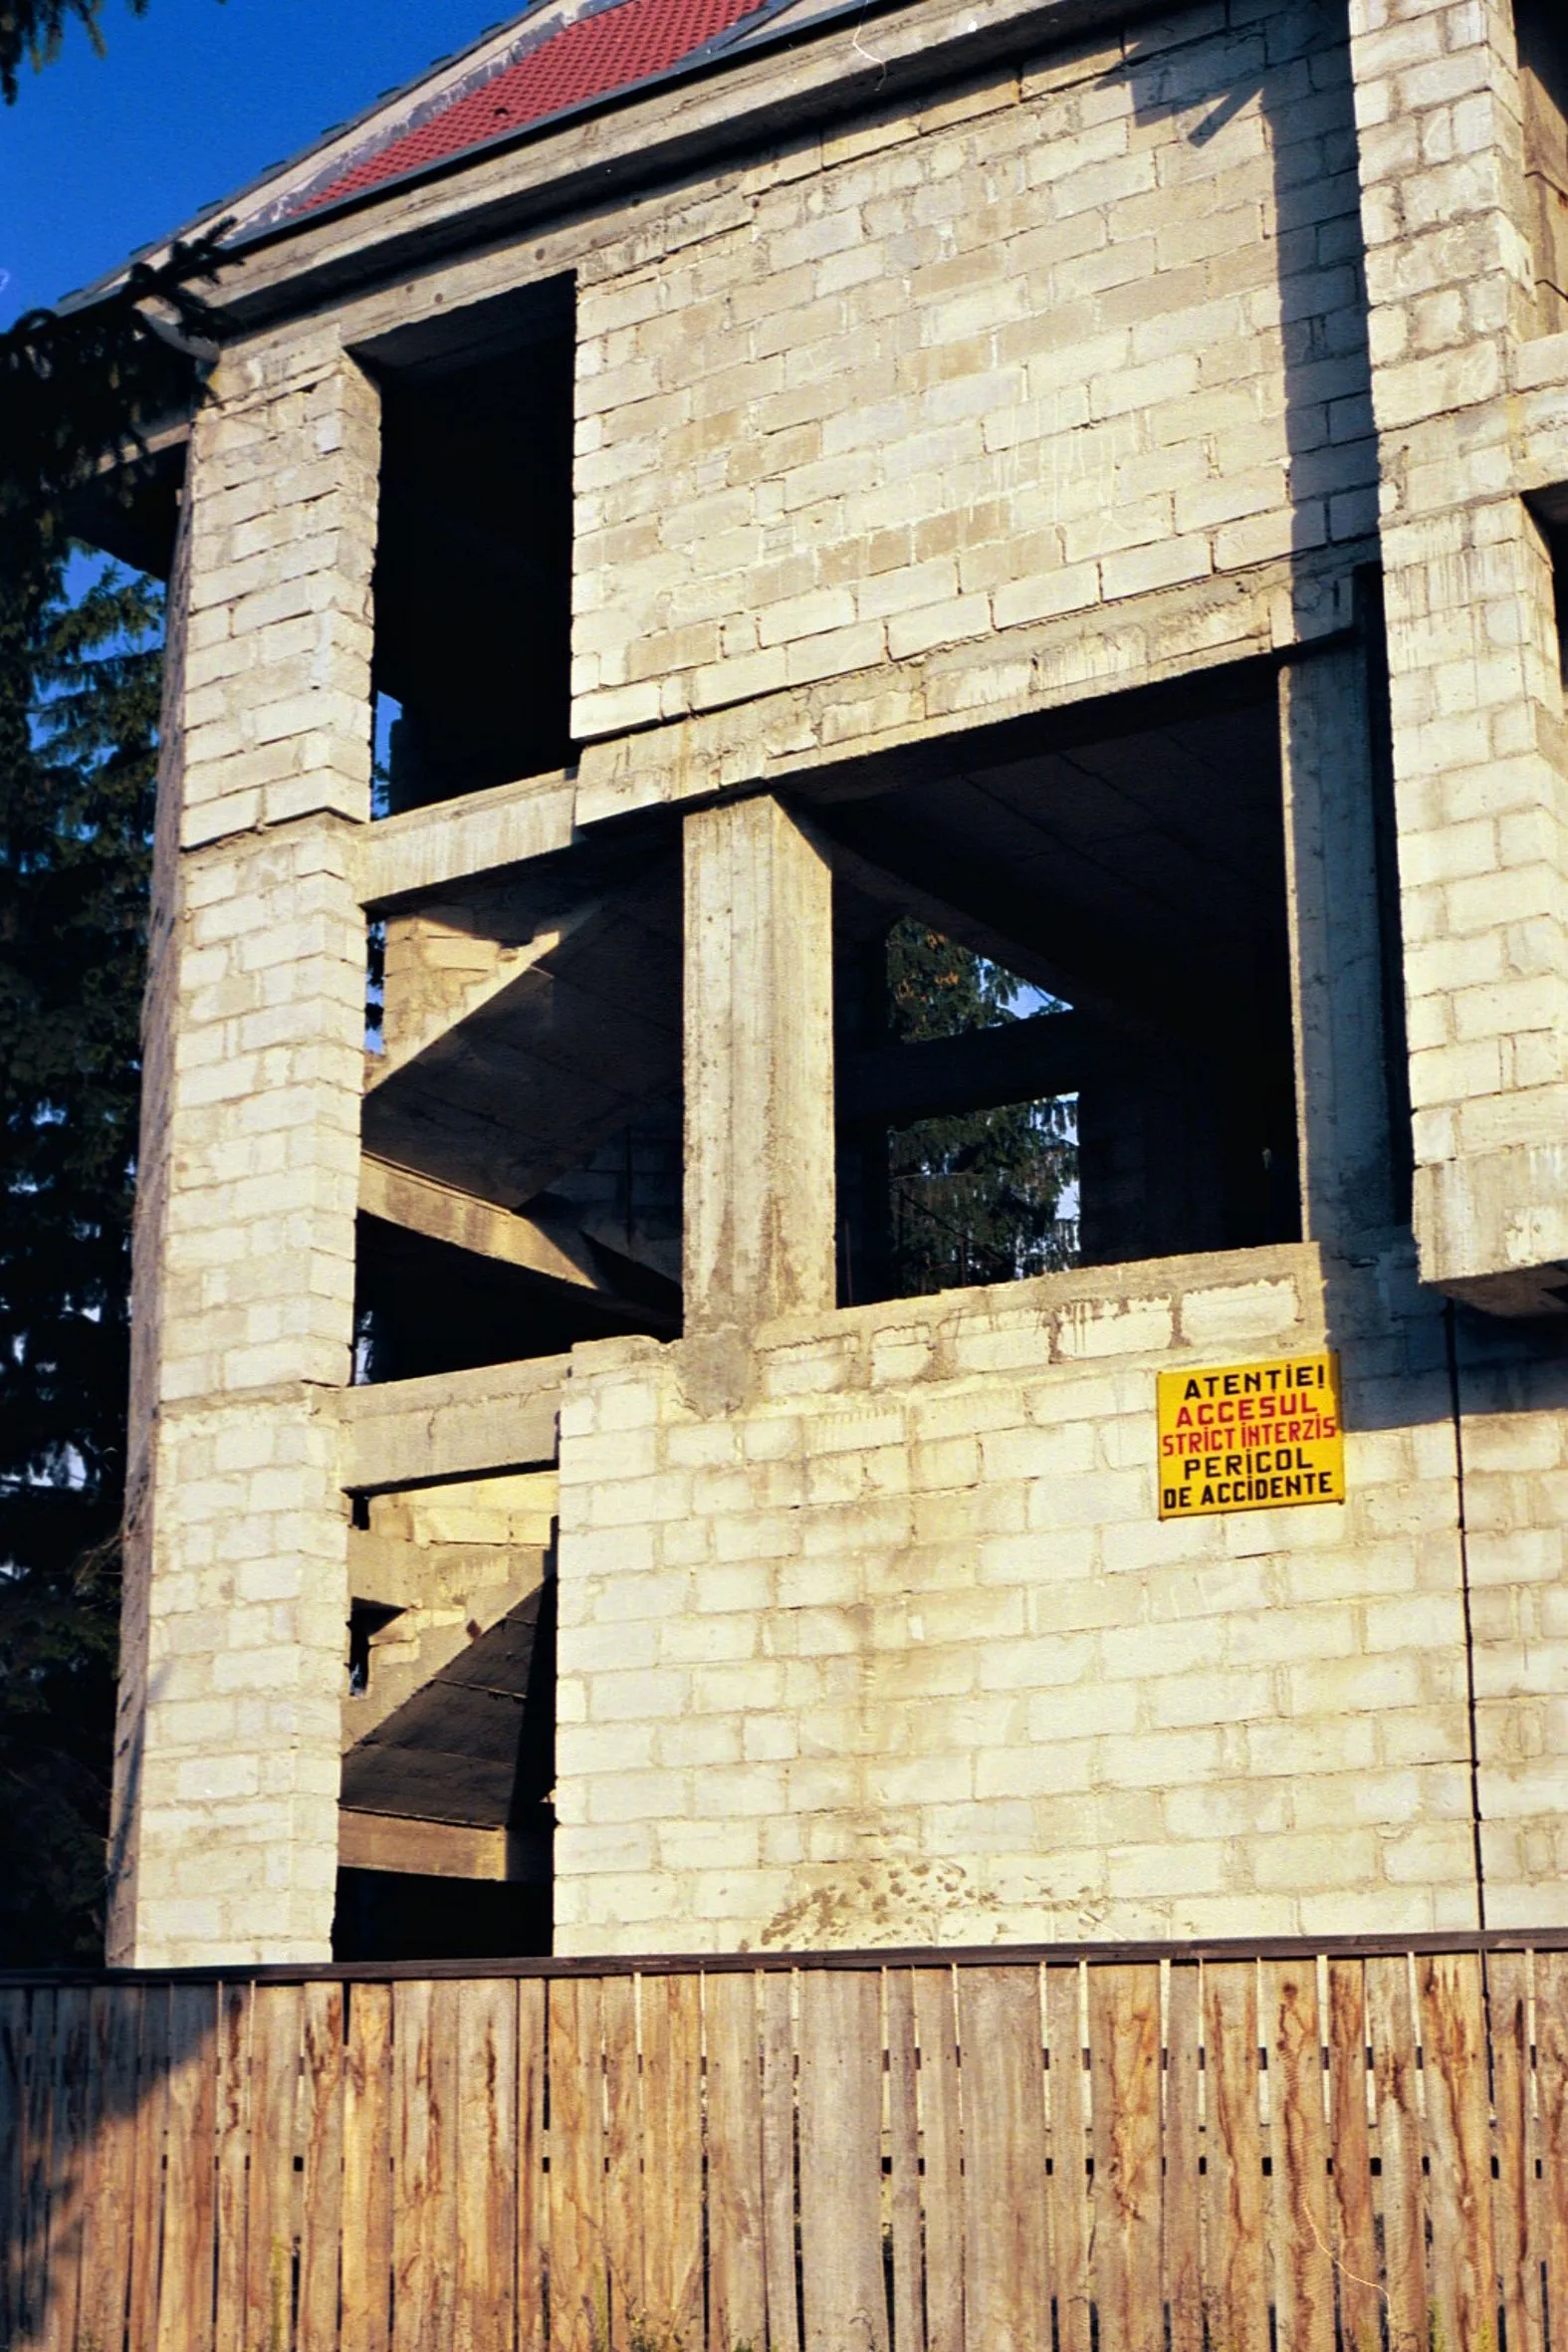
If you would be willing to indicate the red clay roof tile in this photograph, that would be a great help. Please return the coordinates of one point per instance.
(601, 52)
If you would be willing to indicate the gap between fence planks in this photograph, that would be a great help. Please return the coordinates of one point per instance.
(1318, 2155)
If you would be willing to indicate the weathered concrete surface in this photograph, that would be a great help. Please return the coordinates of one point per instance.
(759, 1018)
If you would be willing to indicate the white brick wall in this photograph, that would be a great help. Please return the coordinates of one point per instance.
(901, 1651)
(1078, 334)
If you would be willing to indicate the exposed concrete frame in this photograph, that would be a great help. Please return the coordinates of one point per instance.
(451, 1425)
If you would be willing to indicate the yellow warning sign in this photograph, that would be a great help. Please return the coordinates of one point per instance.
(1251, 1437)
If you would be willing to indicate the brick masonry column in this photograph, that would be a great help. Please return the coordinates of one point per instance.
(1482, 779)
(759, 1019)
(225, 1829)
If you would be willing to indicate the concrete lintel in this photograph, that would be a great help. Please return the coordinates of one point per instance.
(476, 834)
(451, 1425)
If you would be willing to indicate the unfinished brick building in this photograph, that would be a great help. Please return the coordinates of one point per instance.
(1080, 476)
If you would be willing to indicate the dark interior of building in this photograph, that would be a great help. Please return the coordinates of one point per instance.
(473, 572)
(1063, 1038)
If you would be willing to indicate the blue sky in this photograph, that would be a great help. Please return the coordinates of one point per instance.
(102, 155)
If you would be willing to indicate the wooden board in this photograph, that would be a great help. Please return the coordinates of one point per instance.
(1006, 2293)
(185, 2284)
(780, 2242)
(1124, 2073)
(903, 2137)
(1183, 2185)
(1463, 2267)
(1298, 2221)
(146, 2227)
(367, 2171)
(1516, 2206)
(1356, 2265)
(13, 2141)
(936, 2025)
(68, 2165)
(841, 2087)
(110, 2179)
(579, 2297)
(1235, 2250)
(321, 2184)
(532, 2183)
(270, 2218)
(1392, 2034)
(424, 2203)
(36, 2137)
(672, 2155)
(1551, 2091)
(231, 2131)
(623, 2262)
(737, 2276)
(486, 2158)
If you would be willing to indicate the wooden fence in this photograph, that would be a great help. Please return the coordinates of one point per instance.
(998, 2154)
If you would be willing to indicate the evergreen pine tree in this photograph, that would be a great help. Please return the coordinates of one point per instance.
(976, 1197)
(78, 689)
(35, 28)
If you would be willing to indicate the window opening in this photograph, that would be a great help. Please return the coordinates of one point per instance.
(1062, 1000)
(472, 571)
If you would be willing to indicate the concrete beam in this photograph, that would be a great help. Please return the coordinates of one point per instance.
(452, 1425)
(553, 1252)
(1017, 1061)
(475, 834)
(758, 1216)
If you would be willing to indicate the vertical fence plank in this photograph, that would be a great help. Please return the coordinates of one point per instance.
(1070, 2159)
(531, 2180)
(13, 2111)
(623, 2249)
(779, 2166)
(1233, 2153)
(1551, 2091)
(841, 2161)
(321, 2208)
(672, 2155)
(231, 2127)
(1463, 2267)
(1184, 2187)
(1355, 2241)
(367, 2171)
(1513, 2197)
(424, 2206)
(1303, 2266)
(903, 2096)
(942, 2148)
(146, 2227)
(577, 2294)
(185, 2286)
(737, 2280)
(68, 2185)
(1007, 2294)
(486, 2214)
(1124, 2051)
(111, 2143)
(415, 2190)
(1391, 2031)
(35, 2160)
(268, 2220)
